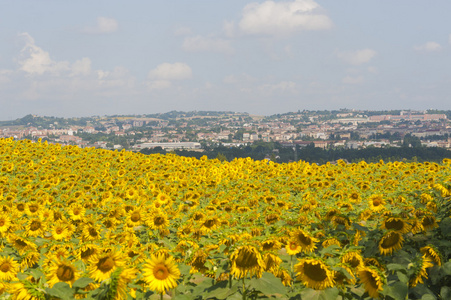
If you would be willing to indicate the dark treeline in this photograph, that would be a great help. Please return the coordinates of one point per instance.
(280, 154)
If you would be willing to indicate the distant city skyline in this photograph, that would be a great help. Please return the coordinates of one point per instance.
(79, 59)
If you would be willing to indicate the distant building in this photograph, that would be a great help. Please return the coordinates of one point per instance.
(172, 146)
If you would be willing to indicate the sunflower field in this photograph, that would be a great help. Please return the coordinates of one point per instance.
(98, 224)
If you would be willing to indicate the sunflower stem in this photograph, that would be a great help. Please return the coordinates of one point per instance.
(161, 296)
(291, 270)
(244, 290)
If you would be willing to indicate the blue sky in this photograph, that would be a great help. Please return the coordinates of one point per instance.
(85, 58)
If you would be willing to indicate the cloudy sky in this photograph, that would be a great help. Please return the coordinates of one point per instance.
(85, 58)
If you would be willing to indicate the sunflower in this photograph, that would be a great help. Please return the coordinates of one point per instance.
(5, 223)
(91, 232)
(428, 222)
(163, 199)
(135, 217)
(247, 259)
(432, 252)
(35, 227)
(344, 276)
(86, 251)
(304, 240)
(293, 248)
(353, 259)
(30, 259)
(103, 264)
(197, 262)
(22, 245)
(117, 289)
(372, 280)
(25, 290)
(396, 224)
(8, 268)
(3, 287)
(32, 208)
(158, 220)
(284, 275)
(160, 273)
(314, 273)
(391, 241)
(62, 270)
(60, 231)
(421, 271)
(76, 212)
(272, 262)
(271, 244)
(376, 203)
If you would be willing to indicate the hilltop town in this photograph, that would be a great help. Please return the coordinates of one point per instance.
(353, 129)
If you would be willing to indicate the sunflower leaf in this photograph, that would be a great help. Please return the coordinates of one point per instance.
(397, 291)
(396, 267)
(445, 292)
(268, 284)
(82, 282)
(61, 290)
(220, 290)
(447, 268)
(327, 294)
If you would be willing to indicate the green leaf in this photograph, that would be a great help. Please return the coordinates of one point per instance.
(61, 290)
(397, 291)
(220, 290)
(428, 297)
(327, 294)
(82, 282)
(268, 284)
(22, 276)
(396, 267)
(445, 292)
(202, 286)
(332, 249)
(183, 297)
(447, 268)
(359, 227)
(445, 227)
(36, 273)
(402, 277)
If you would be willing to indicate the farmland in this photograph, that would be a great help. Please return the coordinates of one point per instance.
(100, 224)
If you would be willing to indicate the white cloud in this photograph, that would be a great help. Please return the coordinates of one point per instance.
(167, 71)
(243, 78)
(352, 80)
(200, 44)
(81, 67)
(34, 60)
(282, 18)
(104, 25)
(159, 84)
(428, 47)
(183, 31)
(5, 76)
(357, 57)
(229, 28)
(283, 86)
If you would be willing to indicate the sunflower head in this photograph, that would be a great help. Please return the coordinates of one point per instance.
(372, 279)
(161, 273)
(304, 240)
(432, 252)
(247, 260)
(62, 271)
(390, 242)
(420, 272)
(314, 273)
